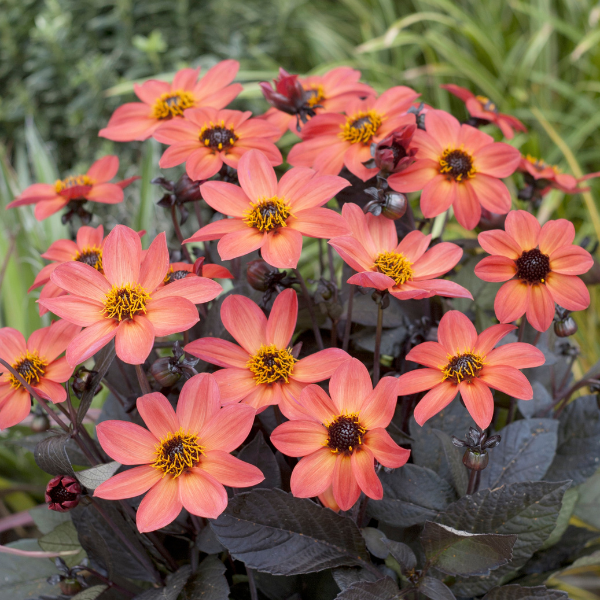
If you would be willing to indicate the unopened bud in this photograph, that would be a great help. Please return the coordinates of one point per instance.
(565, 327)
(395, 205)
(187, 189)
(83, 382)
(288, 94)
(63, 493)
(490, 220)
(393, 153)
(69, 587)
(476, 461)
(165, 373)
(259, 274)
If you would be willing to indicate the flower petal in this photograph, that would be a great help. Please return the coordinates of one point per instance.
(540, 307)
(196, 290)
(517, 354)
(419, 380)
(50, 390)
(14, 408)
(218, 352)
(363, 469)
(134, 340)
(314, 403)
(75, 309)
(319, 366)
(225, 198)
(319, 223)
(198, 402)
(346, 490)
(386, 451)
(506, 379)
(236, 384)
(430, 354)
(351, 251)
(491, 193)
(81, 280)
(245, 321)
(571, 260)
(155, 264)
(229, 470)
(467, 207)
(496, 268)
(456, 333)
(121, 256)
(126, 442)
(434, 401)
(59, 370)
(282, 248)
(160, 506)
(555, 234)
(90, 340)
(282, 320)
(371, 279)
(479, 401)
(256, 176)
(299, 438)
(129, 484)
(313, 474)
(497, 159)
(437, 261)
(228, 428)
(511, 301)
(383, 232)
(12, 344)
(158, 415)
(170, 315)
(568, 291)
(201, 494)
(239, 243)
(500, 243)
(524, 228)
(438, 196)
(487, 339)
(379, 406)
(349, 385)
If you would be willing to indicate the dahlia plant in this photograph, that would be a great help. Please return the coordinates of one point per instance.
(249, 418)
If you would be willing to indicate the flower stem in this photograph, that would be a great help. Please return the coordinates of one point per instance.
(311, 310)
(376, 354)
(206, 245)
(143, 380)
(110, 583)
(472, 481)
(251, 583)
(179, 234)
(348, 325)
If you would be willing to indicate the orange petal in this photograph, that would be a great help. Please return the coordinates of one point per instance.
(158, 414)
(385, 450)
(240, 243)
(517, 354)
(434, 401)
(571, 260)
(456, 333)
(496, 268)
(316, 405)
(313, 474)
(218, 352)
(121, 256)
(490, 337)
(419, 380)
(229, 470)
(52, 341)
(257, 176)
(198, 402)
(540, 309)
(498, 242)
(346, 490)
(129, 484)
(81, 280)
(228, 428)
(363, 469)
(90, 340)
(236, 384)
(524, 228)
(430, 354)
(160, 506)
(378, 407)
(155, 264)
(134, 340)
(14, 408)
(555, 235)
(568, 291)
(511, 301)
(299, 438)
(282, 319)
(479, 401)
(282, 248)
(126, 442)
(349, 386)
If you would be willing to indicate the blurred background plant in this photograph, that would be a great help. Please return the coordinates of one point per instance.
(65, 65)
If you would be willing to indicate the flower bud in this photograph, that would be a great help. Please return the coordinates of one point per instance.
(490, 220)
(394, 206)
(62, 493)
(69, 587)
(565, 327)
(259, 274)
(476, 461)
(288, 95)
(187, 189)
(393, 153)
(83, 382)
(165, 373)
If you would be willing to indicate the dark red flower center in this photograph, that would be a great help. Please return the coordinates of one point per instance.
(271, 364)
(177, 452)
(172, 104)
(465, 365)
(175, 276)
(533, 266)
(30, 367)
(345, 434)
(60, 494)
(90, 256)
(218, 137)
(457, 164)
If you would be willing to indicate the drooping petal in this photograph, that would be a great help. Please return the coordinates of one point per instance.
(126, 442)
(50, 390)
(59, 370)
(198, 402)
(106, 193)
(430, 354)
(313, 474)
(218, 352)
(121, 256)
(129, 484)
(379, 406)
(511, 301)
(282, 320)
(540, 308)
(229, 470)
(456, 333)
(487, 339)
(201, 494)
(158, 414)
(363, 468)
(568, 291)
(90, 340)
(349, 386)
(319, 366)
(228, 428)
(496, 268)
(434, 401)
(235, 384)
(371, 279)
(386, 451)
(299, 438)
(346, 490)
(517, 354)
(524, 228)
(134, 340)
(160, 506)
(479, 401)
(245, 321)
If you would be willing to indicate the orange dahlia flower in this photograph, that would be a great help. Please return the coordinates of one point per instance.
(459, 166)
(184, 456)
(406, 269)
(462, 361)
(328, 93)
(94, 186)
(269, 215)
(37, 362)
(161, 101)
(539, 265)
(206, 138)
(181, 270)
(341, 436)
(124, 301)
(330, 141)
(483, 109)
(262, 370)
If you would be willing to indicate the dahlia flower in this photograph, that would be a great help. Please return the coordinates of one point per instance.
(161, 101)
(341, 436)
(406, 269)
(262, 370)
(462, 361)
(181, 270)
(330, 140)
(483, 109)
(539, 265)
(269, 215)
(206, 138)
(123, 302)
(94, 186)
(459, 166)
(184, 455)
(38, 362)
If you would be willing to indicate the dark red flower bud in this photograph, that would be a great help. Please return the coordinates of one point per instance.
(490, 220)
(83, 382)
(476, 461)
(197, 269)
(288, 96)
(165, 372)
(393, 153)
(63, 493)
(187, 190)
(565, 327)
(394, 206)
(259, 274)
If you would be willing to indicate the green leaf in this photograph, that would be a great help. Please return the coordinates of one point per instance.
(380, 546)
(458, 471)
(92, 478)
(90, 593)
(172, 589)
(564, 516)
(517, 592)
(435, 589)
(383, 589)
(274, 532)
(259, 454)
(462, 553)
(524, 454)
(589, 500)
(208, 582)
(51, 455)
(346, 576)
(46, 520)
(64, 539)
(411, 495)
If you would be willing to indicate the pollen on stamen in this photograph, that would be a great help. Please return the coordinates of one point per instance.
(271, 364)
(125, 302)
(218, 136)
(463, 366)
(394, 265)
(361, 127)
(30, 367)
(177, 452)
(172, 104)
(457, 164)
(92, 256)
(268, 214)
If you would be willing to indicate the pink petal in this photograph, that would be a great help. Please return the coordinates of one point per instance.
(443, 127)
(430, 354)
(500, 243)
(517, 354)
(437, 261)
(434, 401)
(170, 315)
(497, 159)
(158, 415)
(264, 395)
(126, 442)
(352, 252)
(316, 192)
(90, 340)
(217, 77)
(511, 301)
(540, 307)
(218, 352)
(507, 379)
(77, 310)
(121, 256)
(491, 193)
(196, 290)
(428, 288)
(202, 164)
(414, 245)
(496, 268)
(487, 339)
(379, 406)
(226, 198)
(438, 196)
(372, 279)
(50, 390)
(289, 404)
(319, 366)
(134, 340)
(64, 250)
(228, 428)
(358, 225)
(59, 370)
(14, 408)
(467, 207)
(282, 248)
(129, 484)
(155, 264)
(354, 158)
(257, 176)
(198, 402)
(319, 223)
(568, 291)
(106, 193)
(386, 451)
(160, 506)
(240, 243)
(478, 400)
(315, 404)
(363, 469)
(177, 131)
(571, 260)
(216, 230)
(555, 234)
(299, 438)
(313, 474)
(456, 333)
(245, 321)
(349, 386)
(415, 177)
(52, 341)
(81, 280)
(345, 487)
(235, 384)
(293, 181)
(383, 232)
(282, 320)
(419, 380)
(229, 470)
(201, 494)
(524, 228)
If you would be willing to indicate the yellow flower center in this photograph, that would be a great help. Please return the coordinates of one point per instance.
(540, 164)
(172, 275)
(125, 302)
(172, 104)
(90, 255)
(457, 164)
(270, 364)
(314, 95)
(72, 186)
(30, 367)
(177, 452)
(487, 104)
(345, 434)
(268, 214)
(217, 137)
(361, 127)
(394, 265)
(463, 366)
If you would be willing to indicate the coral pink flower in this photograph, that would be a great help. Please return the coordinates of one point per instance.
(328, 93)
(539, 265)
(459, 166)
(184, 456)
(262, 370)
(93, 187)
(465, 362)
(341, 436)
(206, 138)
(330, 141)
(406, 269)
(181, 270)
(38, 363)
(124, 301)
(269, 215)
(483, 109)
(161, 101)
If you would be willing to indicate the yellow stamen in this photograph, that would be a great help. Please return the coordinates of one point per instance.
(90, 255)
(457, 163)
(268, 214)
(270, 364)
(60, 185)
(125, 302)
(315, 95)
(540, 164)
(394, 265)
(31, 368)
(487, 104)
(177, 452)
(463, 365)
(172, 104)
(361, 127)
